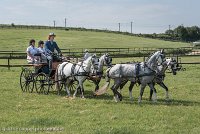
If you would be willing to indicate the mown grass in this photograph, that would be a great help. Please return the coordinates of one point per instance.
(101, 114)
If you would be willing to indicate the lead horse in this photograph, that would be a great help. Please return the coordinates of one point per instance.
(170, 64)
(78, 72)
(144, 72)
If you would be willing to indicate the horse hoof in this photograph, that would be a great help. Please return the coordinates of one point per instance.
(116, 99)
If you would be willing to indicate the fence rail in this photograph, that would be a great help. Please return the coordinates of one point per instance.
(114, 52)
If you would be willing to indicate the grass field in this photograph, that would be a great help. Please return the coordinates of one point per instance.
(97, 115)
(102, 114)
(17, 39)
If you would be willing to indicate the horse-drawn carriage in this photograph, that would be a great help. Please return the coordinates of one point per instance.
(39, 76)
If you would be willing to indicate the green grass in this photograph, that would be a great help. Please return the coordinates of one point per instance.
(17, 39)
(102, 114)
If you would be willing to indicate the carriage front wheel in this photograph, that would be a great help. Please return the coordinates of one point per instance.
(26, 80)
(42, 83)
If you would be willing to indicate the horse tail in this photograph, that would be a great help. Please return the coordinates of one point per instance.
(103, 89)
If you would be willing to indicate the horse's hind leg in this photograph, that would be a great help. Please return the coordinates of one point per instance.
(96, 82)
(151, 92)
(151, 85)
(141, 93)
(130, 90)
(117, 95)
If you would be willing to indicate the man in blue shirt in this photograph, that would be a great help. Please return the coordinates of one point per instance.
(51, 47)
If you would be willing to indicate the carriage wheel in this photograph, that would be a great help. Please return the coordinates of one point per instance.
(42, 83)
(50, 86)
(72, 84)
(26, 80)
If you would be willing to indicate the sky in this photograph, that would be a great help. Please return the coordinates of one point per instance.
(147, 16)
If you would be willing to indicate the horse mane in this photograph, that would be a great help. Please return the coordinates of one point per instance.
(150, 56)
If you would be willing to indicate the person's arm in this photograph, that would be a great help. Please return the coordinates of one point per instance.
(57, 48)
(29, 54)
(46, 48)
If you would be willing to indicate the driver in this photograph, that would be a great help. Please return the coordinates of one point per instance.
(51, 47)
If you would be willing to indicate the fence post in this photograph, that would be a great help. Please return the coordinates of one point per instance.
(8, 63)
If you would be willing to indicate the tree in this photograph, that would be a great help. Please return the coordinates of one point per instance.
(182, 32)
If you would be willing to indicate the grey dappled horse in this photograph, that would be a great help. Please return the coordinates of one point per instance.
(143, 72)
(105, 59)
(159, 78)
(78, 72)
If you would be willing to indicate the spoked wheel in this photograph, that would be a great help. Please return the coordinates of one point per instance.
(59, 87)
(42, 83)
(50, 85)
(26, 80)
(72, 84)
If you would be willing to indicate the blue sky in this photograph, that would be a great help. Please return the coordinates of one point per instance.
(148, 16)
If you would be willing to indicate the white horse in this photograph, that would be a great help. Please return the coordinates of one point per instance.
(159, 78)
(78, 72)
(104, 60)
(143, 72)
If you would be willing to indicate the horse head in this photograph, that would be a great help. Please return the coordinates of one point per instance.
(160, 57)
(156, 59)
(94, 61)
(107, 60)
(171, 63)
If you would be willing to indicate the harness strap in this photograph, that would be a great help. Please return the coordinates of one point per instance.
(137, 67)
(63, 70)
(72, 69)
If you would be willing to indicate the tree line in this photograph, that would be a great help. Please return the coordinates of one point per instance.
(188, 34)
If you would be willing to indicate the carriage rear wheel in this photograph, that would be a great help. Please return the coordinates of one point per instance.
(26, 80)
(42, 83)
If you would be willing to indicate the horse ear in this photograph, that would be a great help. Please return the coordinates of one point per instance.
(94, 55)
(162, 51)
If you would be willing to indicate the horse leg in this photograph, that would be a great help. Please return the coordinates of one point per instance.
(122, 84)
(142, 87)
(151, 93)
(151, 85)
(130, 91)
(97, 84)
(82, 89)
(67, 90)
(117, 95)
(75, 92)
(166, 89)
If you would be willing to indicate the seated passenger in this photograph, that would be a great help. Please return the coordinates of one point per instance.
(31, 52)
(41, 51)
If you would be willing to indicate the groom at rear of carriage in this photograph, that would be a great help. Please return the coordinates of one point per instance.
(49, 53)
